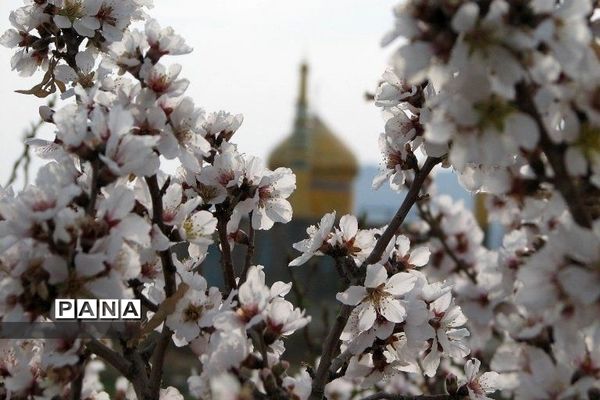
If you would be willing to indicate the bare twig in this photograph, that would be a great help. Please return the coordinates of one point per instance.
(25, 157)
(330, 347)
(158, 359)
(169, 269)
(342, 270)
(259, 341)
(339, 361)
(226, 258)
(144, 388)
(249, 251)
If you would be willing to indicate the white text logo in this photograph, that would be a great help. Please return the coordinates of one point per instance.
(94, 309)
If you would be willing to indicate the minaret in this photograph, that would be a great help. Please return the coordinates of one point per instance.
(325, 167)
(300, 133)
(300, 143)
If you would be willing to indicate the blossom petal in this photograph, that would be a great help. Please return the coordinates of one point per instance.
(352, 296)
(431, 361)
(392, 310)
(400, 283)
(366, 317)
(403, 245)
(419, 256)
(472, 368)
(349, 226)
(489, 381)
(376, 275)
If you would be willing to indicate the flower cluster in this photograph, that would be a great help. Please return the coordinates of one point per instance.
(102, 218)
(260, 313)
(402, 104)
(503, 92)
(345, 240)
(399, 322)
(509, 77)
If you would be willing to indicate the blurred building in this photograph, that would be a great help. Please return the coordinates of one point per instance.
(325, 167)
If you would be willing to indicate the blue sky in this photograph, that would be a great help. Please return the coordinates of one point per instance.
(245, 60)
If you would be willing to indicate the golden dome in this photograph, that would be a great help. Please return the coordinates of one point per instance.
(329, 153)
(325, 151)
(324, 166)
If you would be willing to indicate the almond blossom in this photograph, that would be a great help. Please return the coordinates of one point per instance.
(269, 203)
(397, 148)
(479, 385)
(379, 296)
(195, 311)
(317, 236)
(283, 318)
(164, 41)
(162, 80)
(417, 257)
(355, 242)
(442, 327)
(198, 229)
(184, 140)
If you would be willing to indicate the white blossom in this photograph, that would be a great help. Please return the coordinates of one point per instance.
(379, 296)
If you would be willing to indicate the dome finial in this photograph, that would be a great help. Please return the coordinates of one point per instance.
(302, 97)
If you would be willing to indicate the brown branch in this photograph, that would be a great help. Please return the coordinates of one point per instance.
(409, 200)
(257, 335)
(77, 383)
(72, 40)
(330, 346)
(226, 259)
(94, 188)
(144, 388)
(339, 361)
(555, 155)
(114, 359)
(25, 156)
(158, 359)
(249, 251)
(133, 370)
(169, 271)
(340, 271)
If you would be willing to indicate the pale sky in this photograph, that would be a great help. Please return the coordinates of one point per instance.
(245, 60)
